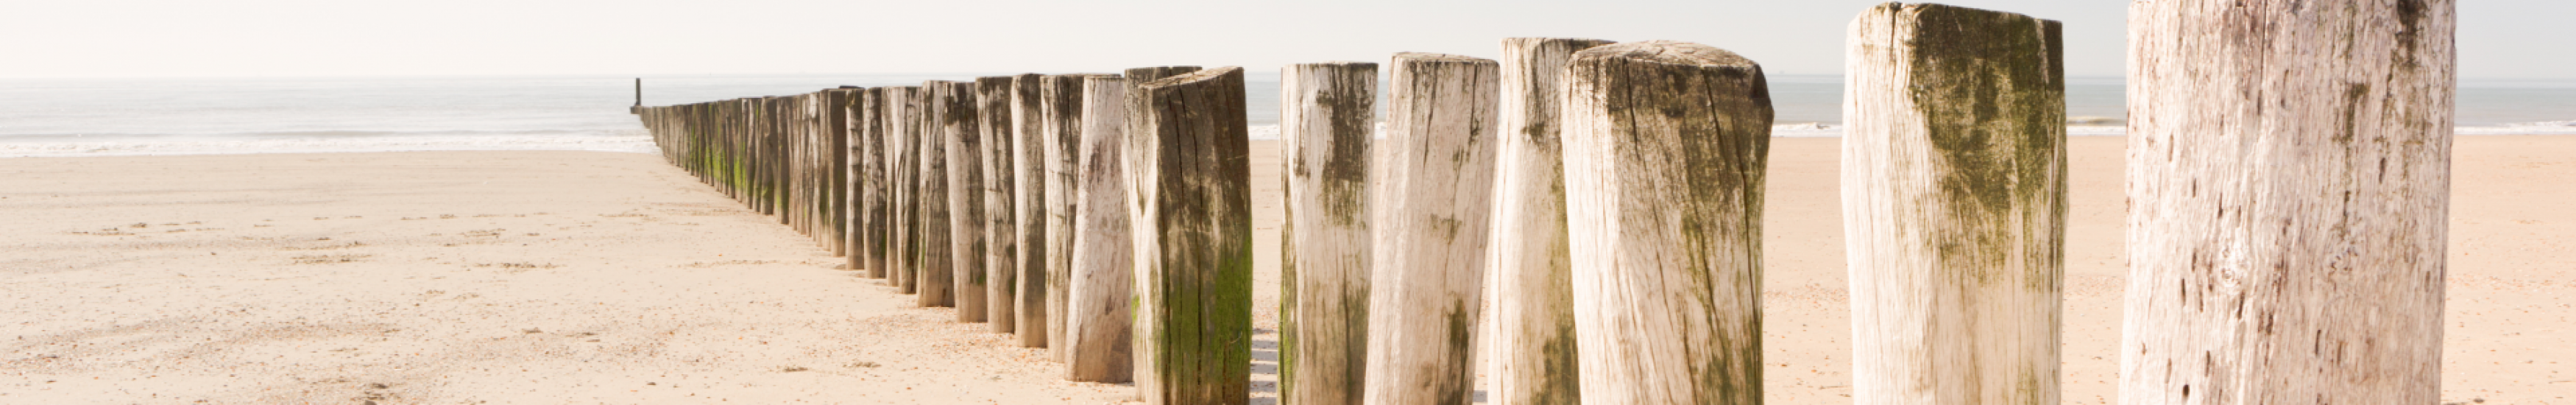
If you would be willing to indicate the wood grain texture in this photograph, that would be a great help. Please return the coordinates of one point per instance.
(1665, 146)
(1189, 199)
(1100, 293)
(1428, 225)
(871, 168)
(1063, 109)
(993, 112)
(1028, 210)
(1954, 205)
(2289, 182)
(855, 148)
(950, 109)
(904, 108)
(1533, 347)
(1327, 116)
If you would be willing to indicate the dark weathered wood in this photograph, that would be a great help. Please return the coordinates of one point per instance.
(1028, 210)
(1954, 205)
(1533, 285)
(1428, 229)
(1326, 118)
(949, 112)
(1190, 200)
(2288, 187)
(1665, 147)
(1098, 318)
(1001, 238)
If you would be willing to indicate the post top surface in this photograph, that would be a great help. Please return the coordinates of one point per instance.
(1667, 52)
(1193, 77)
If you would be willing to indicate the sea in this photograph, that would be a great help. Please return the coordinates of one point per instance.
(188, 116)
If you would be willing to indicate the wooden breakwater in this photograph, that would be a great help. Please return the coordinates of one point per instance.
(1600, 205)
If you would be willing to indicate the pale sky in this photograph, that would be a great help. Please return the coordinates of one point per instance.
(196, 38)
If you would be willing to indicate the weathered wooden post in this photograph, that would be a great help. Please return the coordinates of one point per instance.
(1063, 110)
(871, 111)
(901, 125)
(1096, 341)
(949, 110)
(1428, 229)
(1665, 147)
(1327, 116)
(1001, 237)
(1954, 205)
(2289, 183)
(963, 127)
(1190, 200)
(1533, 286)
(998, 109)
(840, 203)
(1028, 210)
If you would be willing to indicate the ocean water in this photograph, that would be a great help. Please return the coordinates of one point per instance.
(109, 117)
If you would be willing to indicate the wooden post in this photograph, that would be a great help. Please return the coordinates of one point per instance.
(1063, 110)
(1533, 287)
(1188, 164)
(1428, 229)
(903, 109)
(869, 171)
(950, 111)
(2288, 187)
(1327, 116)
(1665, 146)
(1097, 341)
(859, 149)
(838, 200)
(1954, 205)
(1001, 239)
(1028, 210)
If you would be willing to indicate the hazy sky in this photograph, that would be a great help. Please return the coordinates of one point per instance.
(112, 38)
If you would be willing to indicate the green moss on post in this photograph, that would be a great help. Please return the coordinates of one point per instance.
(1188, 156)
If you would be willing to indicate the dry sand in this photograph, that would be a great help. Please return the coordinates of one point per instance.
(606, 277)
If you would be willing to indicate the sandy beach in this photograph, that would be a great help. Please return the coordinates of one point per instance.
(560, 277)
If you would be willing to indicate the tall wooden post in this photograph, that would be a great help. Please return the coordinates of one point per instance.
(1098, 318)
(950, 109)
(879, 209)
(1063, 109)
(1001, 238)
(1533, 285)
(1428, 229)
(1665, 147)
(859, 184)
(1188, 163)
(1028, 210)
(2289, 183)
(839, 202)
(903, 110)
(1954, 205)
(1327, 116)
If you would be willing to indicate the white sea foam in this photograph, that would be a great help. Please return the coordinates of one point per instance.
(205, 146)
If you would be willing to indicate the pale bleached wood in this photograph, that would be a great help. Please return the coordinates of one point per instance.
(1326, 118)
(1063, 125)
(902, 124)
(1099, 296)
(1954, 205)
(1532, 345)
(949, 108)
(1427, 227)
(993, 113)
(1190, 200)
(2289, 182)
(1665, 146)
(1028, 209)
